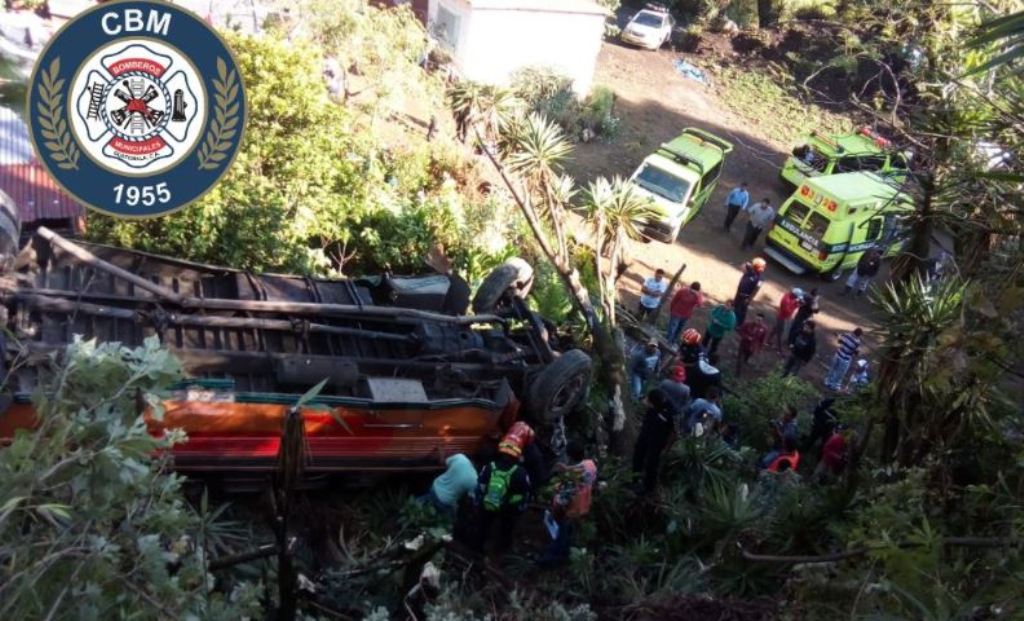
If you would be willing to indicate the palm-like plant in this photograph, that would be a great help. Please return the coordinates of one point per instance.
(1008, 33)
(486, 109)
(617, 213)
(929, 379)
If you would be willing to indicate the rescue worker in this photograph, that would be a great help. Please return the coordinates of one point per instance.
(707, 411)
(750, 283)
(458, 480)
(503, 489)
(681, 309)
(570, 503)
(691, 351)
(860, 377)
(655, 433)
(735, 202)
(822, 424)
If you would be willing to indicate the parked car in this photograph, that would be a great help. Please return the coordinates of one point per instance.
(679, 177)
(649, 28)
(410, 384)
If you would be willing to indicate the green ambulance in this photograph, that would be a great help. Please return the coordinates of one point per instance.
(827, 224)
(864, 151)
(679, 177)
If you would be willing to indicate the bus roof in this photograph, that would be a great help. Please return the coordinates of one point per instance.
(854, 187)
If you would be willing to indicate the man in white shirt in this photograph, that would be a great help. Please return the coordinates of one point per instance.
(761, 218)
(651, 292)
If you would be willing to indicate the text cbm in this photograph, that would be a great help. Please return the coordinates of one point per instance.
(132, 20)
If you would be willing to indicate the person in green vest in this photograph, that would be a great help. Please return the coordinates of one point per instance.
(503, 489)
(723, 321)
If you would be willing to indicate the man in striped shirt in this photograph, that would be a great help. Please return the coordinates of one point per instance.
(849, 345)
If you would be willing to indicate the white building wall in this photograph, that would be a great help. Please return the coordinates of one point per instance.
(502, 41)
(491, 44)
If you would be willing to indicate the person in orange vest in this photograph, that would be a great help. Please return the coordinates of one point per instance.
(784, 431)
(570, 503)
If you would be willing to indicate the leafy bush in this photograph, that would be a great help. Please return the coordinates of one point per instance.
(550, 94)
(764, 399)
(90, 525)
(312, 190)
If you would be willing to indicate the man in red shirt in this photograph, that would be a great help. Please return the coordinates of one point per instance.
(684, 302)
(752, 337)
(787, 308)
(833, 454)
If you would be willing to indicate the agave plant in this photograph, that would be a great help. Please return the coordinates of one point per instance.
(617, 213)
(929, 375)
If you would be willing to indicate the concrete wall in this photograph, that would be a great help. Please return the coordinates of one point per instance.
(491, 44)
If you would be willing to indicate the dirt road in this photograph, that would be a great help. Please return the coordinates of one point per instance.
(655, 103)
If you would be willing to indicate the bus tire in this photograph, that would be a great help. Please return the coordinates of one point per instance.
(513, 274)
(560, 387)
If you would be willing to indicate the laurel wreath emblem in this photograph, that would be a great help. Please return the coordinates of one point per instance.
(225, 119)
(54, 128)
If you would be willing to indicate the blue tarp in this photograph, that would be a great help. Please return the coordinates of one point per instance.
(690, 71)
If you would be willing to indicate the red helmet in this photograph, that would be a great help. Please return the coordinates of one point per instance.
(759, 264)
(691, 336)
(517, 438)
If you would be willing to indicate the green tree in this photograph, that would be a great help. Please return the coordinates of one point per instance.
(91, 526)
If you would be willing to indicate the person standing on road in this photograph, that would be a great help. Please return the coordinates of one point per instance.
(761, 217)
(849, 345)
(651, 292)
(801, 349)
(787, 308)
(867, 268)
(750, 284)
(735, 203)
(723, 321)
(684, 302)
(809, 306)
(753, 335)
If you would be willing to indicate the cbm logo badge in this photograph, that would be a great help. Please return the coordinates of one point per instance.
(137, 108)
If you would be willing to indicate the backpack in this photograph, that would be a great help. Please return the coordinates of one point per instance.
(497, 487)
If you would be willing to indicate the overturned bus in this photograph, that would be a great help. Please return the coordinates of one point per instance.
(407, 384)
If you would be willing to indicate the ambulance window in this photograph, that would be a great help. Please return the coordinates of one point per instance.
(817, 224)
(872, 162)
(711, 175)
(874, 229)
(797, 212)
(848, 164)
